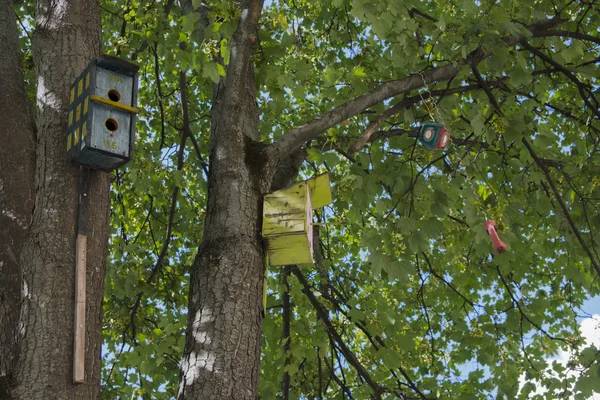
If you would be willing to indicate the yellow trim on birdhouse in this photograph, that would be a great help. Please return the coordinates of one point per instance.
(87, 80)
(83, 129)
(85, 105)
(69, 142)
(70, 117)
(78, 112)
(72, 98)
(80, 88)
(76, 137)
(113, 104)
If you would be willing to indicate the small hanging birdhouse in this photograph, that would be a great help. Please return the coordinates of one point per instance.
(434, 136)
(287, 220)
(492, 229)
(102, 111)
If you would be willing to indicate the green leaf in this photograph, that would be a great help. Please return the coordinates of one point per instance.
(211, 71)
(478, 123)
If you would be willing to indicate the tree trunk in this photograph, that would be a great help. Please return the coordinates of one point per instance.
(67, 36)
(17, 165)
(222, 353)
(225, 304)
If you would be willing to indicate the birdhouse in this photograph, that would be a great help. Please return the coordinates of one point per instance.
(434, 136)
(102, 111)
(492, 229)
(287, 220)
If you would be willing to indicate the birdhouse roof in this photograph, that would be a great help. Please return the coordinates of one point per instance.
(117, 65)
(320, 190)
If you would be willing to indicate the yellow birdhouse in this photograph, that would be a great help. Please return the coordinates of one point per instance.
(287, 220)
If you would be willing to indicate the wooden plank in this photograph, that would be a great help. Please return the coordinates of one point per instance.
(284, 211)
(320, 190)
(309, 219)
(79, 333)
(289, 250)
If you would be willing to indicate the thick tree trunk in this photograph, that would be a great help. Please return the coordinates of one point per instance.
(222, 354)
(66, 37)
(17, 165)
(225, 305)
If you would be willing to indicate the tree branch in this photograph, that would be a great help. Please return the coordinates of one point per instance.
(186, 131)
(298, 136)
(242, 44)
(405, 103)
(350, 357)
(295, 138)
(566, 72)
(563, 207)
(486, 89)
(572, 35)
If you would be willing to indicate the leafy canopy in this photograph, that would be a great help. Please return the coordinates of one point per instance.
(406, 279)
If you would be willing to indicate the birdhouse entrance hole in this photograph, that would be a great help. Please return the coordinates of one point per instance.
(114, 95)
(111, 124)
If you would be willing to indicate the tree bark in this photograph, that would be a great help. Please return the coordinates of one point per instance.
(66, 37)
(17, 165)
(221, 358)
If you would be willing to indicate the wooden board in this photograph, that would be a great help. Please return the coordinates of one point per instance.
(79, 337)
(320, 191)
(284, 211)
(287, 225)
(293, 248)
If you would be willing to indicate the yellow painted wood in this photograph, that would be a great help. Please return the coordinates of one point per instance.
(284, 211)
(320, 191)
(287, 227)
(108, 102)
(290, 249)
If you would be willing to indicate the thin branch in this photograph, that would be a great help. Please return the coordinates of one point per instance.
(405, 103)
(376, 341)
(522, 312)
(160, 96)
(350, 357)
(566, 72)
(486, 89)
(199, 154)
(449, 284)
(332, 374)
(295, 138)
(414, 11)
(563, 207)
(23, 27)
(180, 158)
(572, 35)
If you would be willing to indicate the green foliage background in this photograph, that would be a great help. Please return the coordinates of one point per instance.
(407, 277)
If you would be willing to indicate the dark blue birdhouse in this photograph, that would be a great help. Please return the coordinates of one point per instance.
(434, 136)
(102, 111)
